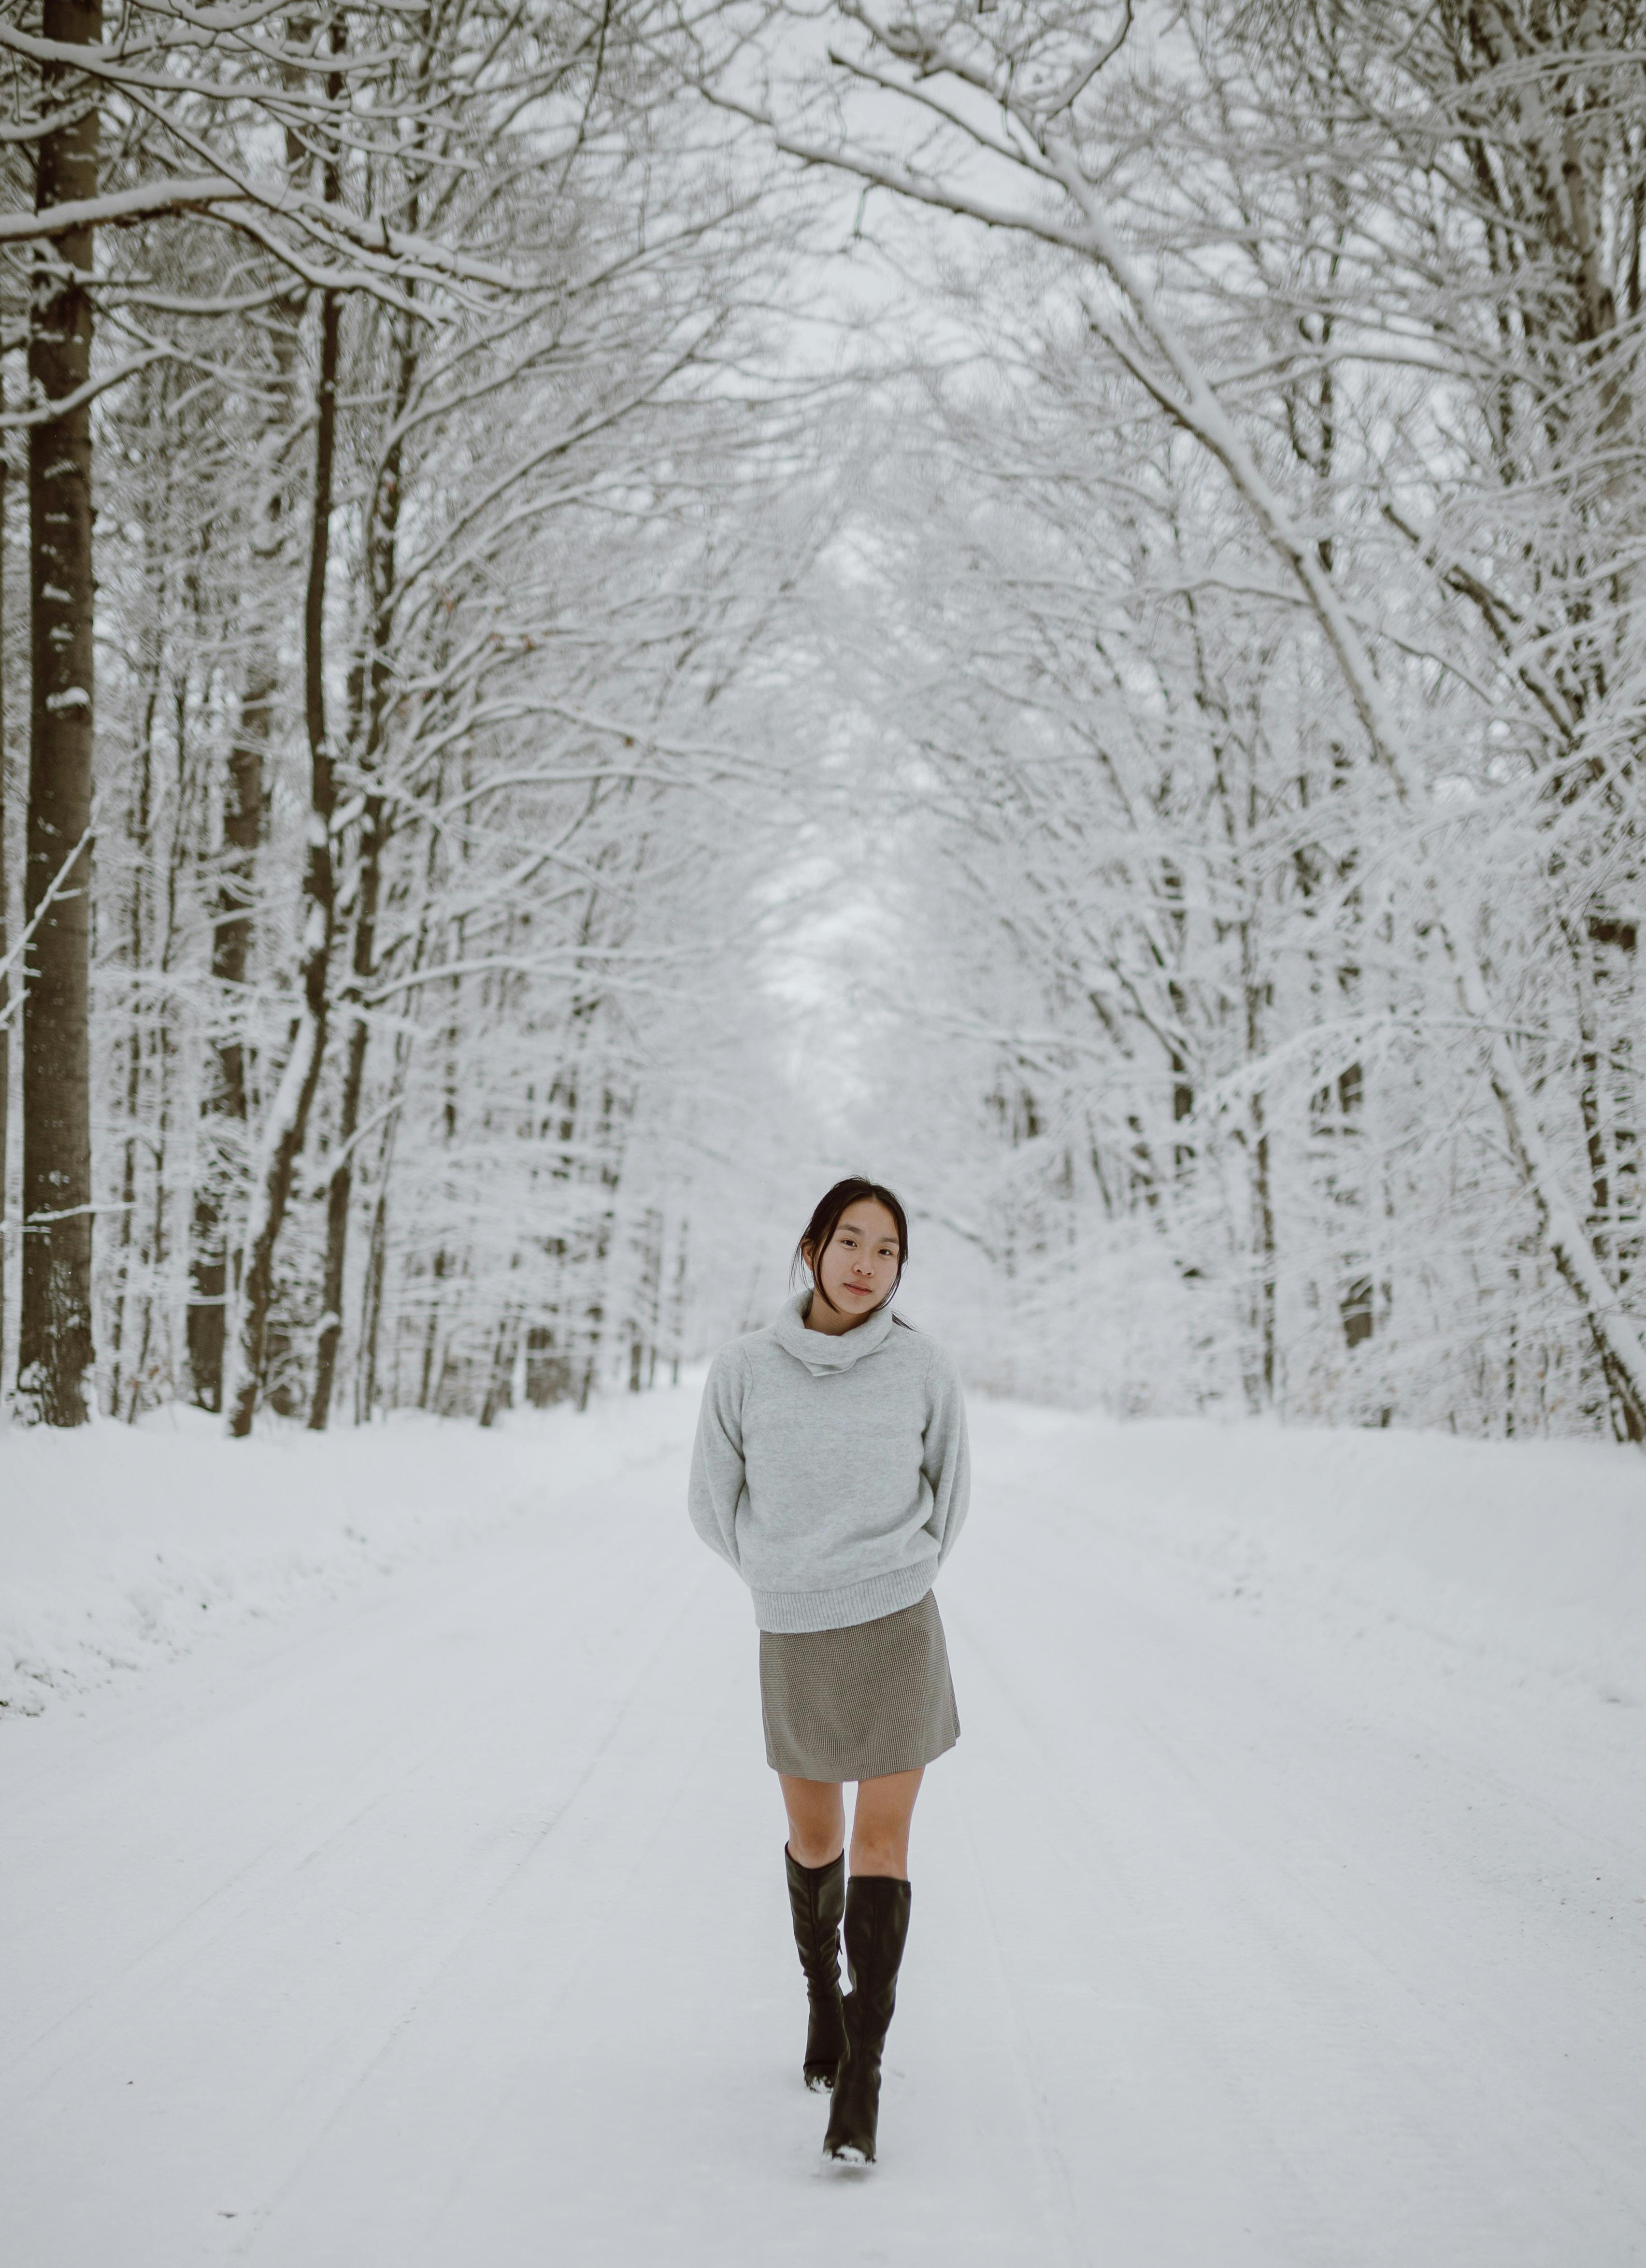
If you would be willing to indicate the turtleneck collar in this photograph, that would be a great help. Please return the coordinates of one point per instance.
(826, 1350)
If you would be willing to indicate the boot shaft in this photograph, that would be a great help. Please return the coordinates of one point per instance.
(817, 1902)
(877, 1909)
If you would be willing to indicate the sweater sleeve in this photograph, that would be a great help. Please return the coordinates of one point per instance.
(717, 1487)
(946, 1459)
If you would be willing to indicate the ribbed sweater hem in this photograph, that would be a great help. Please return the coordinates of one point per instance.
(850, 1603)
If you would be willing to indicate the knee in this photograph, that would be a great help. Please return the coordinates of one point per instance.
(881, 1855)
(810, 1848)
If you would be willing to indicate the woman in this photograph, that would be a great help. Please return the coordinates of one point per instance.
(831, 1470)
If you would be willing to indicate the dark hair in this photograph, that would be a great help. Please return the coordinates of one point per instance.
(819, 1232)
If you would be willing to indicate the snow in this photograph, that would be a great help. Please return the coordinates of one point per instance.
(421, 1901)
(122, 1546)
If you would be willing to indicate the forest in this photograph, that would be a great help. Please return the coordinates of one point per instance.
(614, 606)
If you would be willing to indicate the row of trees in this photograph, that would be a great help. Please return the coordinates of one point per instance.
(1202, 698)
(408, 355)
(1255, 575)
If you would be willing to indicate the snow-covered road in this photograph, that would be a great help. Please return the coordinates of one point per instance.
(445, 1923)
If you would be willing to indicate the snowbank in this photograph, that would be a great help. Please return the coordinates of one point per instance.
(122, 1546)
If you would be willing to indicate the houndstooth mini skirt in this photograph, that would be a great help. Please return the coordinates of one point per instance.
(857, 1703)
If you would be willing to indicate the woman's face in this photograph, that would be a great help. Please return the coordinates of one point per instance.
(858, 1265)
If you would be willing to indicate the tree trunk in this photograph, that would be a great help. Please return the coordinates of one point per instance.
(372, 1306)
(288, 1117)
(382, 558)
(54, 1349)
(225, 1111)
(5, 981)
(500, 1378)
(141, 853)
(341, 1187)
(5, 974)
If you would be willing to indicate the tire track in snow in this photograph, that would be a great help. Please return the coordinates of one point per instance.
(457, 1941)
(1040, 1804)
(1406, 2085)
(267, 1892)
(1056, 2185)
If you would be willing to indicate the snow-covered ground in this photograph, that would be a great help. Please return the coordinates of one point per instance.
(121, 1548)
(392, 1876)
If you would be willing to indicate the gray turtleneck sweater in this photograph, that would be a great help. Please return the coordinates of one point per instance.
(832, 1472)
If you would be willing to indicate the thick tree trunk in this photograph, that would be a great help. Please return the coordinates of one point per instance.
(54, 1349)
(5, 976)
(288, 1117)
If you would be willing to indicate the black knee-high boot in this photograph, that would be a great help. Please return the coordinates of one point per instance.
(817, 1902)
(876, 1928)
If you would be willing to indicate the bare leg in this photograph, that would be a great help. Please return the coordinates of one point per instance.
(817, 1819)
(880, 1825)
